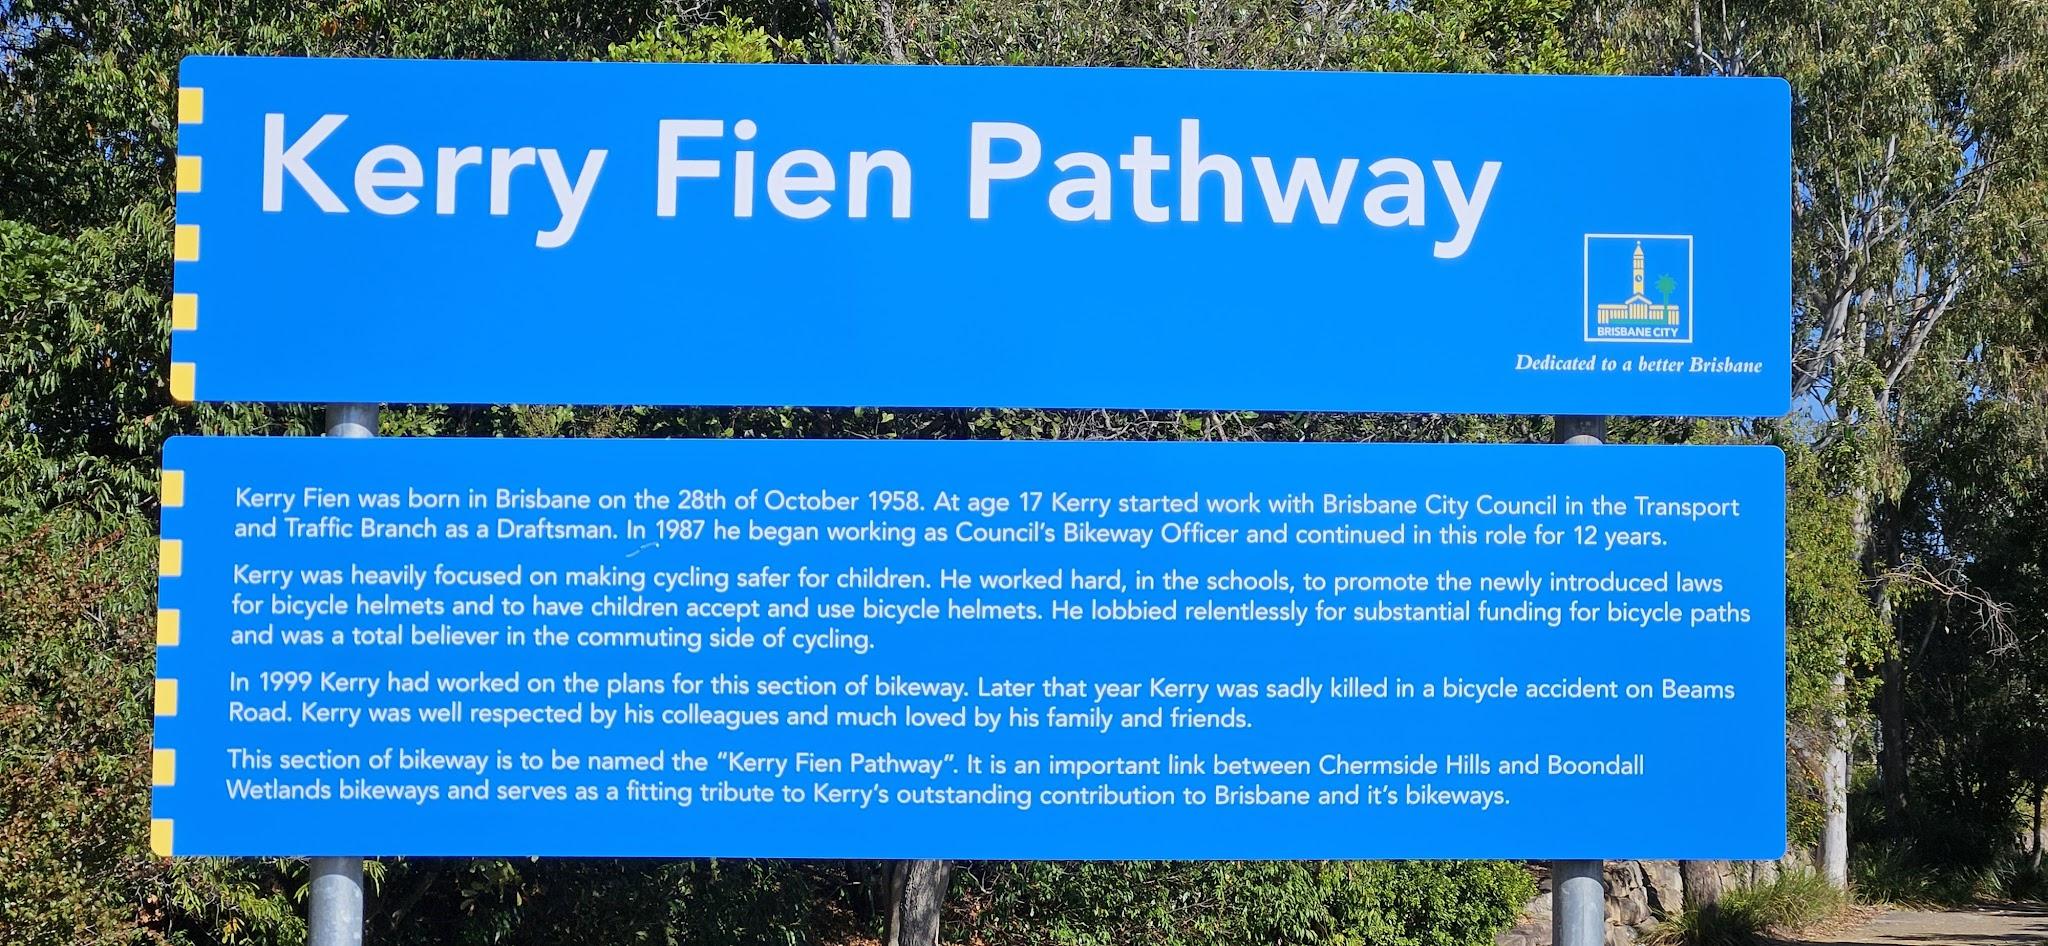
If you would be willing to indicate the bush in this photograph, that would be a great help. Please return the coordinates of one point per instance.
(77, 638)
(1795, 900)
(1888, 872)
(2021, 878)
(1268, 902)
(73, 674)
(1897, 872)
(74, 669)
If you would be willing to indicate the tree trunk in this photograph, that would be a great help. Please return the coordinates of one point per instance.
(1873, 528)
(1833, 855)
(2037, 827)
(892, 897)
(1891, 723)
(1834, 834)
(917, 894)
(1892, 752)
(1702, 880)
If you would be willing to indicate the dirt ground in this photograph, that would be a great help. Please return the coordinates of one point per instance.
(2004, 925)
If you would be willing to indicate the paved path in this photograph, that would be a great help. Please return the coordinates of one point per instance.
(2014, 925)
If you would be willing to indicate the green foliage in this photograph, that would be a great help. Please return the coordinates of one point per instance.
(85, 141)
(1918, 161)
(1274, 902)
(83, 405)
(1795, 900)
(1970, 607)
(72, 671)
(1890, 872)
(1830, 624)
(1526, 36)
(596, 901)
(1833, 637)
(1887, 872)
(1425, 36)
(76, 633)
(731, 39)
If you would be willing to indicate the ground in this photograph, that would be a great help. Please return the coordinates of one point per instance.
(2004, 925)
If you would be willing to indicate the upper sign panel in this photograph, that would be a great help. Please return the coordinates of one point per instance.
(1007, 237)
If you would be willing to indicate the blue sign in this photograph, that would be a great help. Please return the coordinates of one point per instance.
(1020, 237)
(969, 649)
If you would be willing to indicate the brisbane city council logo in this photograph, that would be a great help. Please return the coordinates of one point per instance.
(1638, 287)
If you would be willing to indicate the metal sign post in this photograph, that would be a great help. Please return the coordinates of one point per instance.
(1578, 890)
(334, 916)
(334, 913)
(1578, 904)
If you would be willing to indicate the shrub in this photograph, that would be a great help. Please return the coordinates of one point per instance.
(74, 674)
(1795, 900)
(1268, 902)
(1897, 872)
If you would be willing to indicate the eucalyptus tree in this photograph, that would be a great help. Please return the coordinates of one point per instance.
(1917, 161)
(87, 137)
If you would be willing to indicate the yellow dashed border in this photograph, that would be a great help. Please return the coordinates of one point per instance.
(171, 557)
(166, 697)
(184, 378)
(184, 311)
(188, 174)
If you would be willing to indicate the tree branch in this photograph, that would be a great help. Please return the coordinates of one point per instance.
(886, 10)
(1954, 586)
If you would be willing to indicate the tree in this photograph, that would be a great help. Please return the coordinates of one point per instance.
(1915, 183)
(86, 141)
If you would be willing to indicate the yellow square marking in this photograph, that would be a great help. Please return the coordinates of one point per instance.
(184, 311)
(183, 377)
(185, 243)
(170, 560)
(191, 106)
(167, 697)
(188, 174)
(160, 836)
(174, 489)
(167, 627)
(163, 767)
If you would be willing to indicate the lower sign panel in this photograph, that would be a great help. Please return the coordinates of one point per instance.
(970, 650)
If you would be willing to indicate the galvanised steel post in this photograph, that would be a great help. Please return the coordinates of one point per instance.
(1578, 889)
(334, 914)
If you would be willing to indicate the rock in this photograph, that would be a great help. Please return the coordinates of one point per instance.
(1666, 888)
(1762, 872)
(1524, 934)
(1628, 897)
